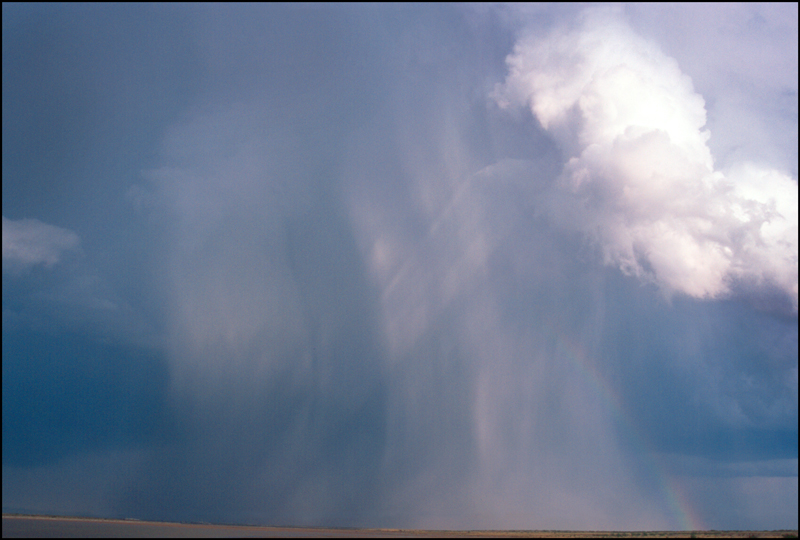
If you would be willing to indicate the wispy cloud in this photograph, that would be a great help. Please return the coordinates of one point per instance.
(28, 242)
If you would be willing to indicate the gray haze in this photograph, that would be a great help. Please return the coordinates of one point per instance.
(524, 267)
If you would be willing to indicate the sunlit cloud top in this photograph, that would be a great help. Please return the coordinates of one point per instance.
(434, 265)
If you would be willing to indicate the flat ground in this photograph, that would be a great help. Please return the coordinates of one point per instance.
(17, 526)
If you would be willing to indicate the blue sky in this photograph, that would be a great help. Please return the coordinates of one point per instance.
(482, 266)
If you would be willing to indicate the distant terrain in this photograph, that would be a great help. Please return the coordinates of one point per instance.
(19, 526)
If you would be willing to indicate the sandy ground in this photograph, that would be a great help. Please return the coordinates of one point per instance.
(15, 526)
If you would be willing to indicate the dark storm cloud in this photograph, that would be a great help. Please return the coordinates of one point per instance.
(345, 295)
(78, 375)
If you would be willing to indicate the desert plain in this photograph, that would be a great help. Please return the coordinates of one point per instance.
(27, 526)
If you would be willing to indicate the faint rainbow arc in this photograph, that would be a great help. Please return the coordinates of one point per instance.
(673, 495)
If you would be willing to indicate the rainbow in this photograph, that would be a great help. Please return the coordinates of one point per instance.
(675, 499)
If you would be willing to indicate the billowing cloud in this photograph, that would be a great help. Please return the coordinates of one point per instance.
(28, 242)
(639, 178)
(366, 289)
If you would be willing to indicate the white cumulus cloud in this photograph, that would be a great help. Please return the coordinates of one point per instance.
(639, 178)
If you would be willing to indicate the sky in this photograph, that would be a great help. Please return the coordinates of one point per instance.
(429, 266)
